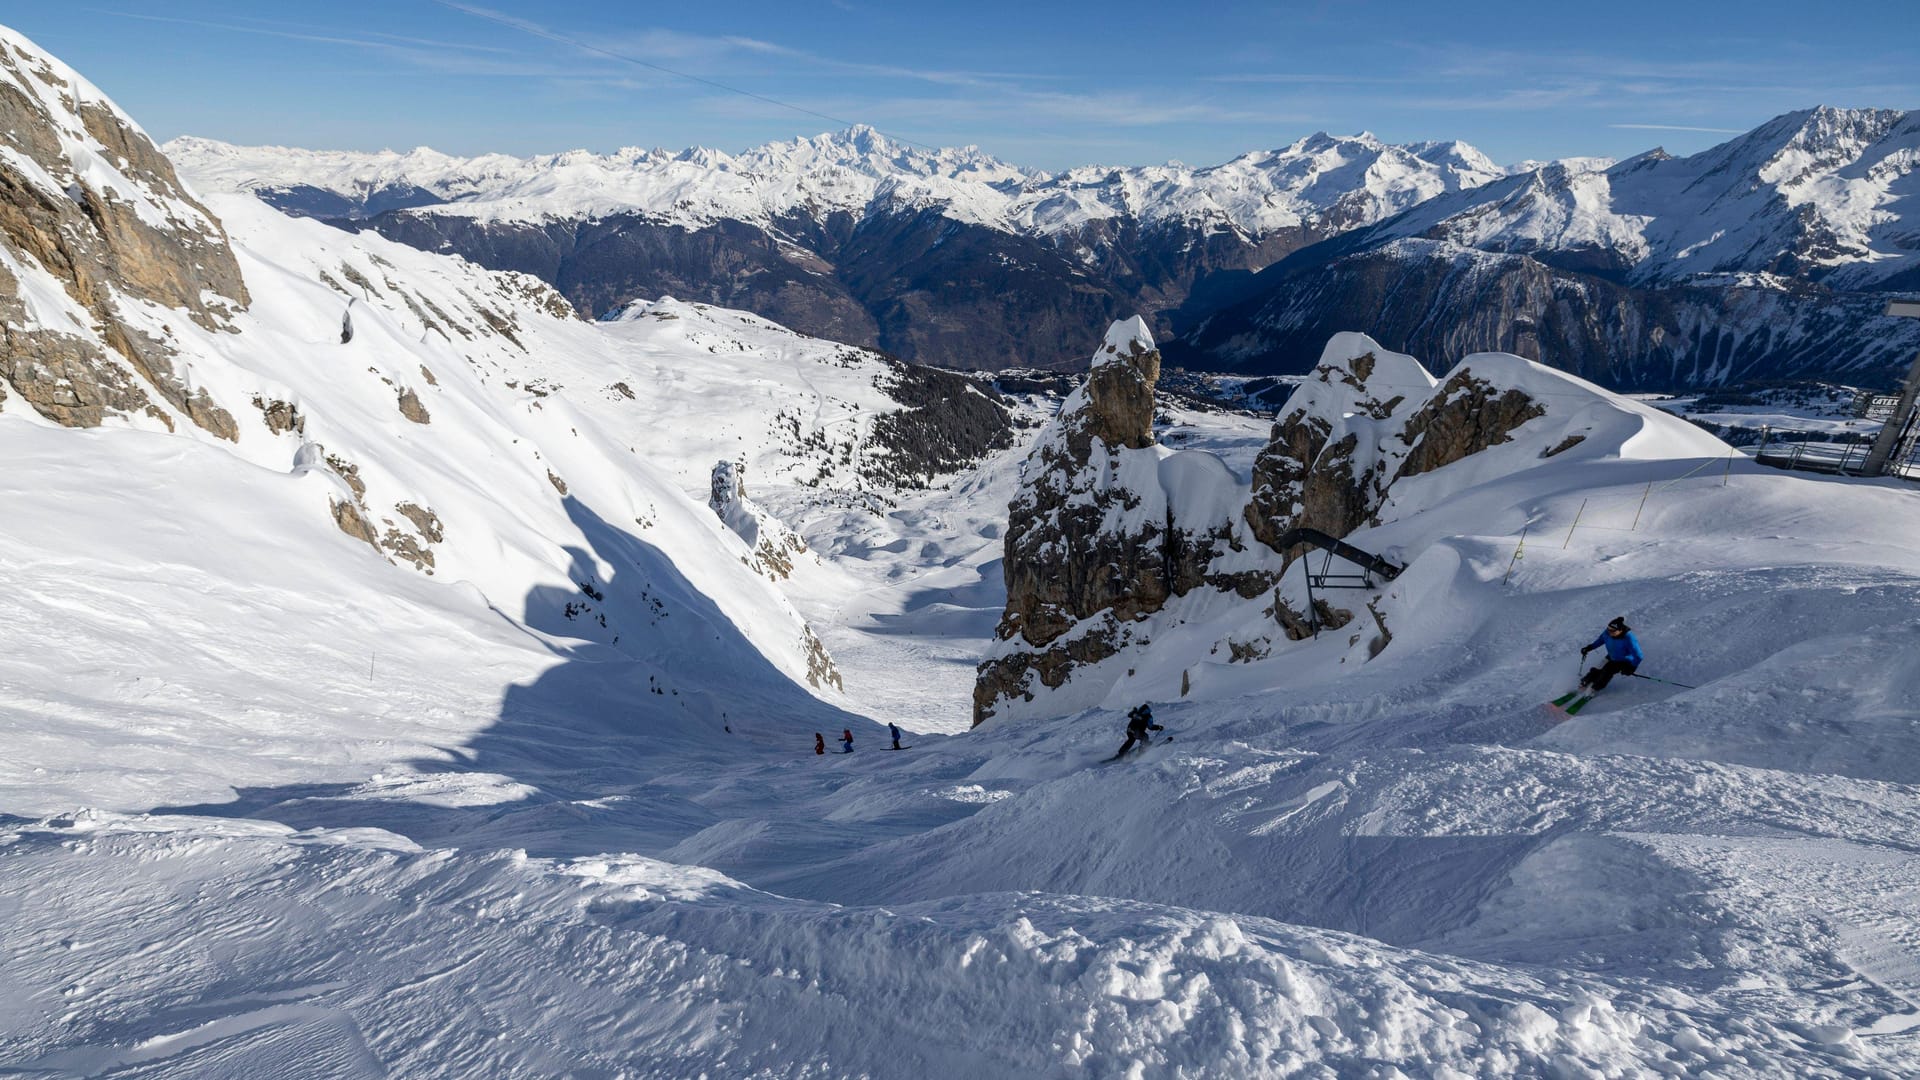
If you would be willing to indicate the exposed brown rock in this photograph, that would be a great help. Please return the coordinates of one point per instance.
(411, 408)
(1384, 637)
(1311, 474)
(95, 244)
(425, 521)
(408, 547)
(349, 472)
(347, 516)
(1565, 444)
(1465, 417)
(1067, 566)
(1299, 627)
(820, 670)
(774, 544)
(281, 416)
(559, 485)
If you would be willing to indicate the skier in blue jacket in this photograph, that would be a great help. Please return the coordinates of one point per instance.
(1623, 655)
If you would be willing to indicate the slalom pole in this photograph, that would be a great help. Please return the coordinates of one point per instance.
(1669, 682)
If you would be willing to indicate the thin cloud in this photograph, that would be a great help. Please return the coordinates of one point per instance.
(385, 42)
(1680, 127)
(1303, 79)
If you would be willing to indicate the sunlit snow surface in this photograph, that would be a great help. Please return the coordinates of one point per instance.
(272, 805)
(1399, 866)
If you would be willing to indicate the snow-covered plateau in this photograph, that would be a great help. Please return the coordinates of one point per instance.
(391, 684)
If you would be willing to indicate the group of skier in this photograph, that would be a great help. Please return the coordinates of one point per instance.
(1623, 657)
(846, 740)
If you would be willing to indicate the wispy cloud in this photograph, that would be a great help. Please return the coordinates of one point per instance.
(1679, 127)
(1311, 79)
(297, 32)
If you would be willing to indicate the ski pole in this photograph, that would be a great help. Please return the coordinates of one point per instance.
(1669, 682)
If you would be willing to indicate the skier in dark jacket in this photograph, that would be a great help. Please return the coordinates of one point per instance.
(1139, 722)
(893, 729)
(819, 743)
(1623, 655)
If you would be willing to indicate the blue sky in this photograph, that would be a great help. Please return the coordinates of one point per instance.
(1041, 84)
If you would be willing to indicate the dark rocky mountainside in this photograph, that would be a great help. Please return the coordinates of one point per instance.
(1439, 299)
(918, 285)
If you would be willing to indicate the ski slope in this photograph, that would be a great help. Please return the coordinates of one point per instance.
(278, 801)
(481, 860)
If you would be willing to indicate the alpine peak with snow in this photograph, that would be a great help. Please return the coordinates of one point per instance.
(1767, 256)
(403, 675)
(858, 237)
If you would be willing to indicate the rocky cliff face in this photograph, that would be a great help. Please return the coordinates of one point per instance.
(774, 545)
(97, 232)
(1339, 443)
(1098, 540)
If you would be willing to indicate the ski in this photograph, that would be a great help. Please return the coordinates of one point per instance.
(1561, 701)
(1578, 705)
(1162, 741)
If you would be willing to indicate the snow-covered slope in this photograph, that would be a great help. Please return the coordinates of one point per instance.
(276, 801)
(1358, 179)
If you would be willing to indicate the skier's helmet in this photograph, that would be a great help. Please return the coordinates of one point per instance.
(1619, 624)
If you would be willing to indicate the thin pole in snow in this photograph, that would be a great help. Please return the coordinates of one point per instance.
(1729, 472)
(1517, 548)
(1575, 525)
(370, 657)
(1643, 506)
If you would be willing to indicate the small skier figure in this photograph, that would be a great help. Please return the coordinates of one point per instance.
(1623, 655)
(819, 743)
(893, 729)
(846, 741)
(1139, 722)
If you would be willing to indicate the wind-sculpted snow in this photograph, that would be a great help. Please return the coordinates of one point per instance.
(350, 960)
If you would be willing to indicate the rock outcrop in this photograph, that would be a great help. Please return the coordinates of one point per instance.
(1096, 541)
(1467, 415)
(1115, 541)
(1339, 443)
(98, 242)
(774, 545)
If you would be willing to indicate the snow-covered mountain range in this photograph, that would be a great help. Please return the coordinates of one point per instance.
(1762, 257)
(1819, 195)
(1356, 180)
(948, 256)
(401, 675)
(1767, 256)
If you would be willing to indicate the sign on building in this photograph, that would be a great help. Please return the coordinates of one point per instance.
(1873, 406)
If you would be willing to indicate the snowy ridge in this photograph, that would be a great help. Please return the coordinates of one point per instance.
(1357, 179)
(1819, 193)
(65, 97)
